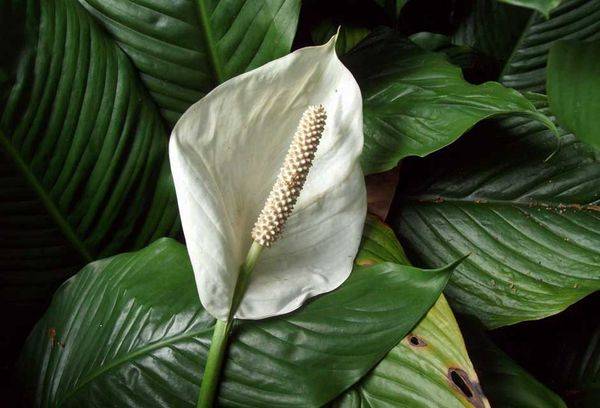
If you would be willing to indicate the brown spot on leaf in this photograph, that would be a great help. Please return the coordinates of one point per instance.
(471, 390)
(52, 336)
(416, 341)
(366, 262)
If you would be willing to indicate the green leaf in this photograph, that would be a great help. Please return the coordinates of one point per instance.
(576, 368)
(183, 49)
(135, 319)
(574, 88)
(392, 7)
(574, 19)
(419, 369)
(83, 136)
(543, 6)
(505, 383)
(84, 166)
(531, 224)
(416, 102)
(348, 36)
(492, 27)
(422, 368)
(475, 65)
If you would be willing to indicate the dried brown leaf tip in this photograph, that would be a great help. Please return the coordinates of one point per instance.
(291, 178)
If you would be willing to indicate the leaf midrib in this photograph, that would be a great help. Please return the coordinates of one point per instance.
(210, 43)
(481, 201)
(131, 356)
(54, 212)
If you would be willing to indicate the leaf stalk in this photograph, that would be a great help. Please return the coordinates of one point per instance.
(222, 332)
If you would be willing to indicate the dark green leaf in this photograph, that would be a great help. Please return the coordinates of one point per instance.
(574, 19)
(505, 383)
(574, 88)
(81, 98)
(576, 368)
(562, 351)
(415, 102)
(183, 49)
(84, 166)
(349, 35)
(531, 224)
(577, 365)
(130, 331)
(392, 7)
(476, 67)
(492, 27)
(543, 6)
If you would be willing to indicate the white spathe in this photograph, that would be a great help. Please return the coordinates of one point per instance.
(225, 153)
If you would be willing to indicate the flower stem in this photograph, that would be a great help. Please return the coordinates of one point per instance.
(218, 345)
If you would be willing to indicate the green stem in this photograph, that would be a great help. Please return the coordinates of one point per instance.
(218, 345)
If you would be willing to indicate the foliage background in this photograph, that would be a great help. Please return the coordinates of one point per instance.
(529, 222)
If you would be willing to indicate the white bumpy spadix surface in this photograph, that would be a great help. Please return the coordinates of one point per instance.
(226, 152)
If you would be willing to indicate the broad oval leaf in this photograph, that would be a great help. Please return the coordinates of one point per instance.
(424, 366)
(574, 88)
(531, 224)
(84, 160)
(130, 331)
(183, 49)
(226, 152)
(416, 102)
(573, 19)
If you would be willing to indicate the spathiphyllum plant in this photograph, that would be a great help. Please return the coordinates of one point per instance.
(269, 159)
(299, 203)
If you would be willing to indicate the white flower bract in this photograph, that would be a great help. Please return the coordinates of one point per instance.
(226, 153)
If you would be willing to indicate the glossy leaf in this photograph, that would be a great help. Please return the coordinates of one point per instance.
(531, 224)
(429, 366)
(135, 319)
(419, 370)
(476, 66)
(543, 6)
(506, 383)
(574, 88)
(574, 19)
(84, 93)
(183, 49)
(84, 152)
(416, 102)
(492, 27)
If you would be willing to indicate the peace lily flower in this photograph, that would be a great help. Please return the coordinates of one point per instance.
(270, 159)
